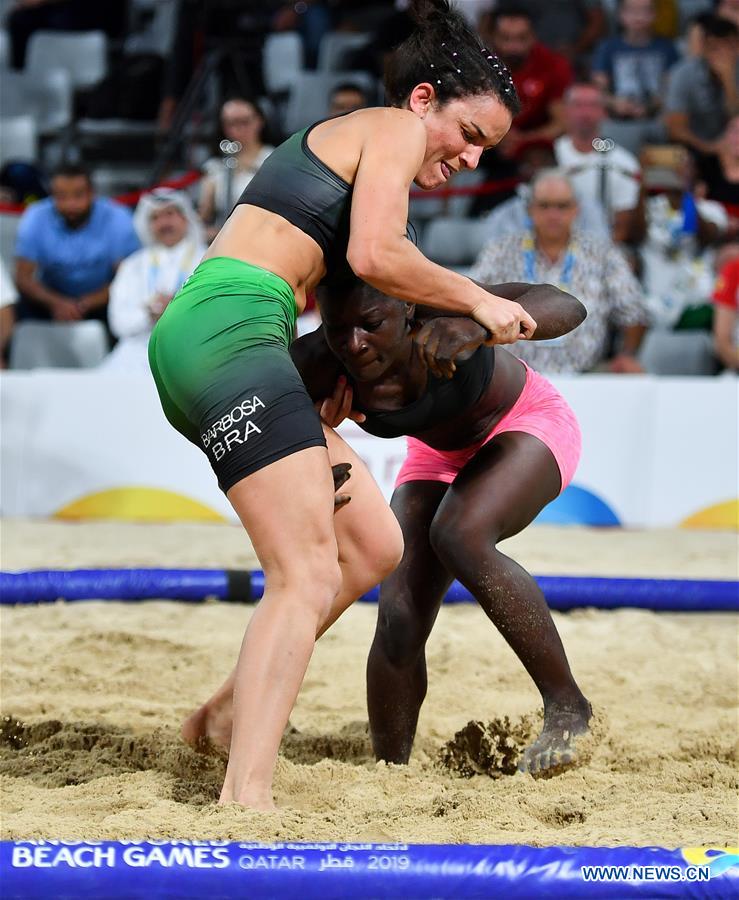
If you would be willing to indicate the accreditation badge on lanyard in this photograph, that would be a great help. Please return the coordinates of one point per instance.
(563, 282)
(180, 276)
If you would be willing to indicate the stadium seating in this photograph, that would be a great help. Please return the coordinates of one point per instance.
(84, 54)
(282, 61)
(309, 96)
(46, 96)
(18, 139)
(70, 345)
(8, 232)
(335, 45)
(678, 353)
(454, 242)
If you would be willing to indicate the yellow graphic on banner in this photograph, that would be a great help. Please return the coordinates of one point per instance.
(718, 859)
(723, 516)
(139, 504)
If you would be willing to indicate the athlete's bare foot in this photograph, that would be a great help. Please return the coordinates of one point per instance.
(250, 794)
(556, 749)
(209, 726)
(260, 804)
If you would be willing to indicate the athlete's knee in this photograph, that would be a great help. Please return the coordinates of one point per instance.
(401, 631)
(375, 549)
(312, 577)
(391, 548)
(457, 537)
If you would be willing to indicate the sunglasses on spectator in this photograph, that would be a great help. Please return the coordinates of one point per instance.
(553, 204)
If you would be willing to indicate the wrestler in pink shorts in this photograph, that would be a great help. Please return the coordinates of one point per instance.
(540, 411)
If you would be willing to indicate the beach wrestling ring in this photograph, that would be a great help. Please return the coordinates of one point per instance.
(225, 869)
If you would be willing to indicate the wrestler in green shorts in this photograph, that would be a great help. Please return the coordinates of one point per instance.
(220, 360)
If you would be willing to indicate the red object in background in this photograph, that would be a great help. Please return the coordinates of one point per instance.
(130, 199)
(727, 285)
(541, 80)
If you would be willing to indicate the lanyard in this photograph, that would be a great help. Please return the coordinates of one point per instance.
(184, 269)
(529, 261)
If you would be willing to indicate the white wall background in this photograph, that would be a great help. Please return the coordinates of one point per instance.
(655, 450)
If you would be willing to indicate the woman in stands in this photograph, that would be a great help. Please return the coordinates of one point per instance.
(242, 122)
(333, 193)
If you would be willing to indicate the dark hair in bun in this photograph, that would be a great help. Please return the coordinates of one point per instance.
(445, 51)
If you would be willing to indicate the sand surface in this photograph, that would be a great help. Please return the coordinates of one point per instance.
(95, 692)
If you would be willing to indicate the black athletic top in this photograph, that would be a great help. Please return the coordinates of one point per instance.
(443, 399)
(294, 183)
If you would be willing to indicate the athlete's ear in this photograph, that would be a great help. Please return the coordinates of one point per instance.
(421, 99)
(410, 311)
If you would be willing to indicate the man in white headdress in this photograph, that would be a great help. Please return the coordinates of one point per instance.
(172, 239)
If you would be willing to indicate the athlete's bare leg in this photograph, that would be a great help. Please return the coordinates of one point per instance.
(370, 545)
(287, 509)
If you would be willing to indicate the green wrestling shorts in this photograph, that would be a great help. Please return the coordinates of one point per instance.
(220, 360)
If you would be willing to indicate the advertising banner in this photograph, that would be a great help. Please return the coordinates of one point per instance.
(657, 452)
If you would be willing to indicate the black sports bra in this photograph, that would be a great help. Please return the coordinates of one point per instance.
(295, 184)
(443, 399)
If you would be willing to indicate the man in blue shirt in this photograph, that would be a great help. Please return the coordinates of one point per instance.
(68, 249)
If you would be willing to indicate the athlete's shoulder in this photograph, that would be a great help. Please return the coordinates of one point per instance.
(390, 120)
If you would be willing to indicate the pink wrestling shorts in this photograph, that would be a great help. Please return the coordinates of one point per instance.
(540, 410)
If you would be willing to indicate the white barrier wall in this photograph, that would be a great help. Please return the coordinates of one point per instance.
(656, 452)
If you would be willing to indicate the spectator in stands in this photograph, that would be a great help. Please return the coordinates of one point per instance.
(540, 75)
(346, 97)
(703, 92)
(590, 268)
(243, 124)
(695, 36)
(600, 169)
(68, 248)
(728, 9)
(632, 70)
(571, 27)
(726, 315)
(8, 299)
(512, 216)
(679, 233)
(173, 244)
(719, 176)
(28, 16)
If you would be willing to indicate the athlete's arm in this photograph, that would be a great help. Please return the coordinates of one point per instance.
(446, 340)
(378, 250)
(556, 312)
(560, 312)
